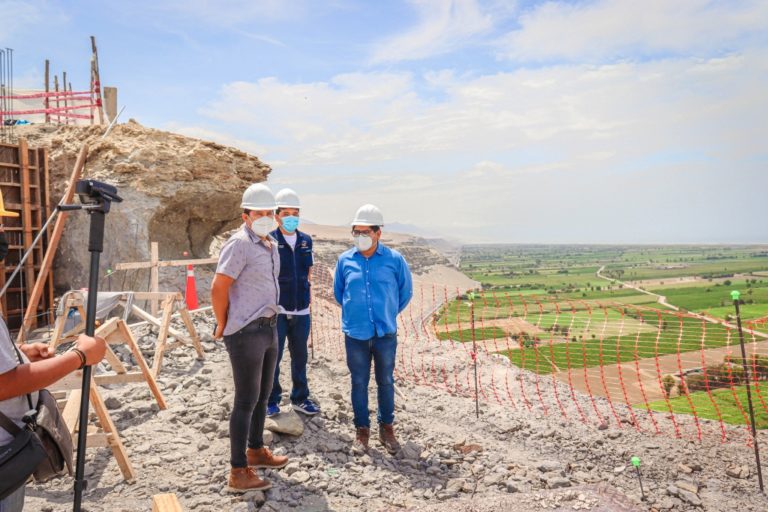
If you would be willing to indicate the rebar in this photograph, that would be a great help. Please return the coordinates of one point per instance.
(7, 130)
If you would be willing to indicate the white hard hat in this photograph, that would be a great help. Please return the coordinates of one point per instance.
(287, 198)
(258, 197)
(368, 215)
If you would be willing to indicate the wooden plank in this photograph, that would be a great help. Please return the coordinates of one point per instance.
(75, 379)
(114, 361)
(168, 263)
(166, 503)
(187, 319)
(26, 222)
(107, 328)
(158, 323)
(97, 79)
(95, 440)
(47, 189)
(155, 295)
(53, 244)
(71, 411)
(66, 98)
(162, 336)
(142, 363)
(110, 102)
(47, 100)
(58, 105)
(105, 420)
(154, 281)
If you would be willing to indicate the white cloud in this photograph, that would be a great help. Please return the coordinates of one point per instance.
(445, 25)
(590, 31)
(24, 17)
(530, 155)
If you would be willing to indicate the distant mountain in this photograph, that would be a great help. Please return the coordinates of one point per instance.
(410, 229)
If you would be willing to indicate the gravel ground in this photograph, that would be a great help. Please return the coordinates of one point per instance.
(508, 459)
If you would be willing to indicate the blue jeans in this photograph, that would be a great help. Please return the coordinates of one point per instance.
(14, 502)
(382, 350)
(296, 329)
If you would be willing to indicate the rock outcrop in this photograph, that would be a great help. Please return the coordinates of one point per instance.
(177, 191)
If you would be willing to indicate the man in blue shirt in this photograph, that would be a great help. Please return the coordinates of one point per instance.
(295, 248)
(373, 285)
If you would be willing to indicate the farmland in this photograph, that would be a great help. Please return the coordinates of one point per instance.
(694, 278)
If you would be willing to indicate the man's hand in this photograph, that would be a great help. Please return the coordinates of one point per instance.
(36, 351)
(93, 348)
(218, 332)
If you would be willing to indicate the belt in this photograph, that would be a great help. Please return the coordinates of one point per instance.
(265, 321)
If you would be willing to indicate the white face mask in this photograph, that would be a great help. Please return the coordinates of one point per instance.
(363, 242)
(262, 226)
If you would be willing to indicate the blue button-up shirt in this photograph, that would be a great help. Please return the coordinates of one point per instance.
(372, 291)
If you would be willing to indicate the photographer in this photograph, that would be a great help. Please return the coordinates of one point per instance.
(39, 370)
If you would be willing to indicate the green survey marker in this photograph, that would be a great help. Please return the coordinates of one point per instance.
(735, 294)
(636, 462)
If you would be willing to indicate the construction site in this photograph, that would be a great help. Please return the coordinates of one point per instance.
(481, 430)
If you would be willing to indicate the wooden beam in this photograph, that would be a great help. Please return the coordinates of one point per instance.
(187, 319)
(155, 295)
(71, 411)
(105, 420)
(158, 323)
(168, 263)
(162, 336)
(66, 98)
(166, 503)
(146, 373)
(97, 79)
(47, 188)
(75, 379)
(110, 102)
(58, 105)
(47, 101)
(53, 244)
(26, 222)
(154, 275)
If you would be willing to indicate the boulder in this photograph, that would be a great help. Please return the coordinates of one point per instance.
(285, 423)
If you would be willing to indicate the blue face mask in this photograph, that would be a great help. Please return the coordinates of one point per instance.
(290, 223)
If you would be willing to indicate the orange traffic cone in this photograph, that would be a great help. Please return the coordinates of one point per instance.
(190, 294)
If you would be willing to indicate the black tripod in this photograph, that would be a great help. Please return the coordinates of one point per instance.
(95, 198)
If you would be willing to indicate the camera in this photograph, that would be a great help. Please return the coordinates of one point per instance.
(96, 192)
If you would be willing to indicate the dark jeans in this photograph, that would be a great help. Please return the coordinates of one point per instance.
(382, 350)
(14, 502)
(253, 355)
(296, 330)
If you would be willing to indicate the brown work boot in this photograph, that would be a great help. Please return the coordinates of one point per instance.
(246, 479)
(263, 458)
(360, 445)
(388, 439)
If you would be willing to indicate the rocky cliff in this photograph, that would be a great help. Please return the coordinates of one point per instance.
(177, 191)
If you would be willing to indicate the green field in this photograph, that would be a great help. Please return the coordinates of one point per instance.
(723, 401)
(589, 352)
(466, 334)
(518, 280)
(549, 305)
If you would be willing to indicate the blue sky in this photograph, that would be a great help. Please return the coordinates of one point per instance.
(583, 121)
